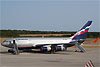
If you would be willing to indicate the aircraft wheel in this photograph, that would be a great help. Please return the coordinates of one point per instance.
(52, 52)
(65, 49)
(76, 51)
(10, 50)
(14, 53)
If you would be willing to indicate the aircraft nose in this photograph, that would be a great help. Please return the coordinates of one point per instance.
(5, 44)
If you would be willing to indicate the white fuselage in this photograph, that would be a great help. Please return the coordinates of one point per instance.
(33, 42)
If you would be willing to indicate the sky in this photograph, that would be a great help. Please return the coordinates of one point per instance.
(49, 15)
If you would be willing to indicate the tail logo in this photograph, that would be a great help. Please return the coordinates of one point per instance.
(81, 34)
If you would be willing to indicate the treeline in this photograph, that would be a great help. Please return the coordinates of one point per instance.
(35, 32)
(15, 33)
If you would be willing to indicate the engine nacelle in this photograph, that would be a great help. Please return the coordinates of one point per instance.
(46, 48)
(60, 48)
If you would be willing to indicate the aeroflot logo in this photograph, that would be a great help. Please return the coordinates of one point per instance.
(21, 39)
(83, 31)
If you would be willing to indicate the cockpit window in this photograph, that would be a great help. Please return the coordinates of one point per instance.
(5, 41)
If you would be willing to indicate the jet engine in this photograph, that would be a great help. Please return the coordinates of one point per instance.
(46, 48)
(60, 48)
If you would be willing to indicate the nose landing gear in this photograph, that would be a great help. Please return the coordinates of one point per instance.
(14, 50)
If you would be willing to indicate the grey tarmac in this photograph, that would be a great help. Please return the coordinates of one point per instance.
(68, 58)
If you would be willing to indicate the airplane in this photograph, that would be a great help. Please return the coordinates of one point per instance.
(96, 40)
(48, 44)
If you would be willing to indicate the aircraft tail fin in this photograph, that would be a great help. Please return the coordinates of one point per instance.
(96, 40)
(81, 34)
